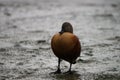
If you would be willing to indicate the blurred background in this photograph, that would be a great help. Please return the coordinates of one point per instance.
(26, 29)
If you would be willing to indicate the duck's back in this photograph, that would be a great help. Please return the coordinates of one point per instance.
(66, 46)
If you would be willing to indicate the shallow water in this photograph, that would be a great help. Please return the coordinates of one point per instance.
(26, 29)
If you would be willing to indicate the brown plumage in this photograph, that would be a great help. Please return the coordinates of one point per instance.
(66, 45)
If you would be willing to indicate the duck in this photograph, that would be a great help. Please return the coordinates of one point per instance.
(66, 46)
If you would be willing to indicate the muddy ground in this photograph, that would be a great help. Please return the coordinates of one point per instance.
(26, 29)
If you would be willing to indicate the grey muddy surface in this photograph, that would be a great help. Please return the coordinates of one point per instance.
(26, 29)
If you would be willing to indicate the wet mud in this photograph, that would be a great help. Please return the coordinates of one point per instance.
(26, 29)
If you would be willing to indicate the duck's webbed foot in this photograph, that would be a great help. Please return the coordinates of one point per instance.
(57, 72)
